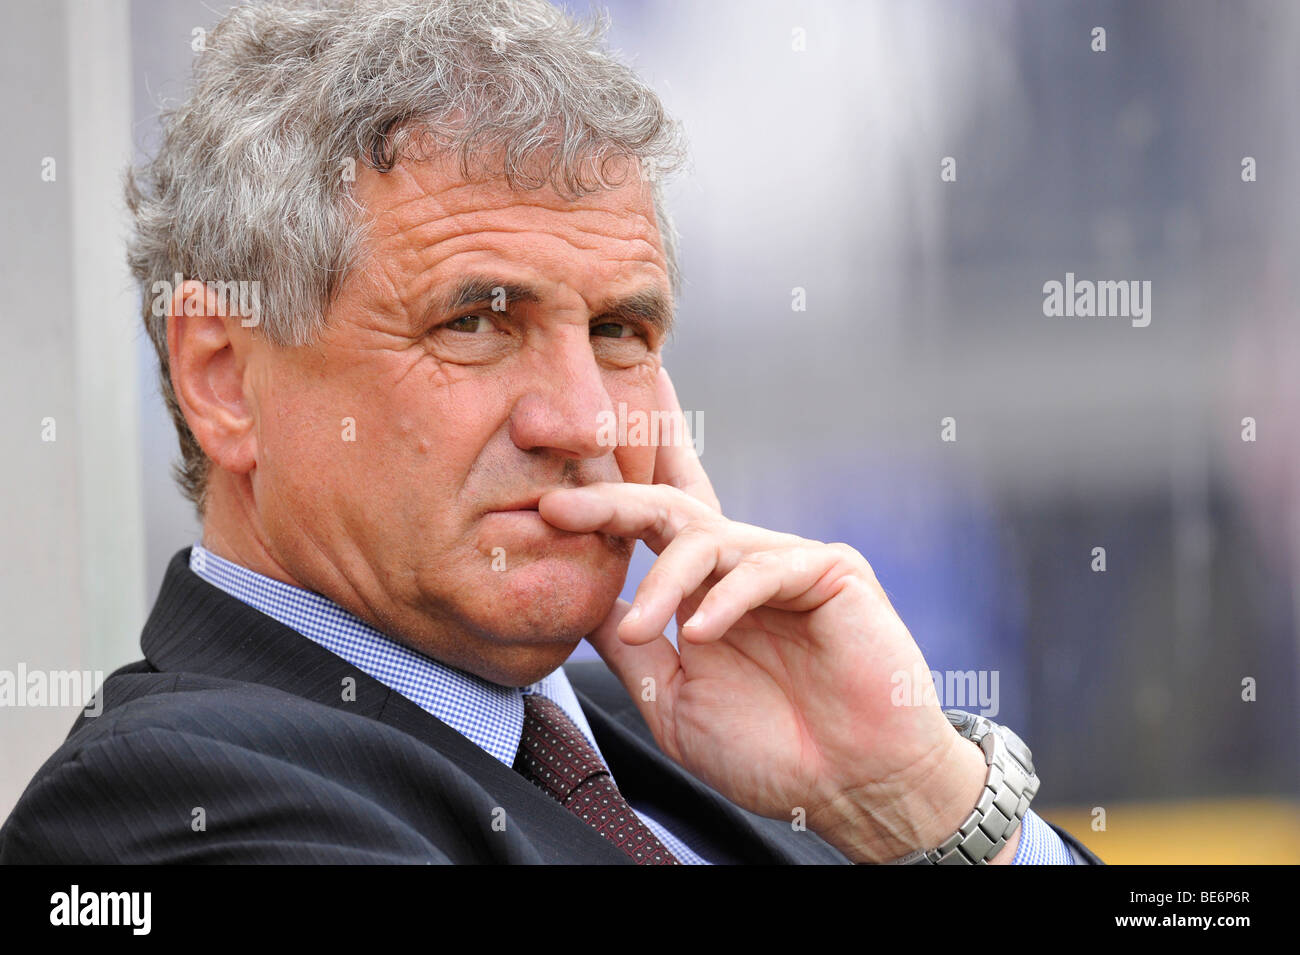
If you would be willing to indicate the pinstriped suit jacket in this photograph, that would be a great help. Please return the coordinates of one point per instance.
(233, 741)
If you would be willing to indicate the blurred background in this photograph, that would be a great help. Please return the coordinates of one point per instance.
(1161, 696)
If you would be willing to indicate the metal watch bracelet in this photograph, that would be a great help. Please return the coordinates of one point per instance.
(1008, 789)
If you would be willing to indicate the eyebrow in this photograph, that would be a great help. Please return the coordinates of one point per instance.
(648, 305)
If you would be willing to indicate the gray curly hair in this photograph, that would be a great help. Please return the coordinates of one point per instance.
(251, 176)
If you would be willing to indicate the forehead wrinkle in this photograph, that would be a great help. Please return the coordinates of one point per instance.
(429, 234)
(431, 256)
(628, 222)
(420, 234)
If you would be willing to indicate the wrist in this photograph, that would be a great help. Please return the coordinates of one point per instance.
(976, 771)
(995, 821)
(882, 823)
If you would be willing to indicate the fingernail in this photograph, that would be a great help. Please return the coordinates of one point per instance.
(634, 614)
(696, 621)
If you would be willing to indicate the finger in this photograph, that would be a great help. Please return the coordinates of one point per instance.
(701, 552)
(655, 513)
(647, 671)
(796, 579)
(676, 461)
(683, 566)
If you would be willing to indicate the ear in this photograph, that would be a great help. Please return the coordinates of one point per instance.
(209, 353)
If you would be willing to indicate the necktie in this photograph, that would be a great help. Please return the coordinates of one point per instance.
(555, 756)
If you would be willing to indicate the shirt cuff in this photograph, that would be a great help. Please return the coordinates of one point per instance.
(1039, 845)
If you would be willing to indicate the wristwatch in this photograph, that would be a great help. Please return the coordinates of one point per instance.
(1010, 786)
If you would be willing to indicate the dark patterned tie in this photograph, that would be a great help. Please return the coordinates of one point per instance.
(555, 756)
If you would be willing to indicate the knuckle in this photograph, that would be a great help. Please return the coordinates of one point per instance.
(662, 516)
(759, 559)
(844, 550)
(853, 557)
(697, 529)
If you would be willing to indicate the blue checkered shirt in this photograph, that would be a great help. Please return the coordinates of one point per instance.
(489, 715)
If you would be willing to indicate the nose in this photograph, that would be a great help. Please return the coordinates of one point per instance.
(563, 400)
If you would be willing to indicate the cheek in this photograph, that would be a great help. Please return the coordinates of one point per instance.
(437, 425)
(326, 433)
(306, 443)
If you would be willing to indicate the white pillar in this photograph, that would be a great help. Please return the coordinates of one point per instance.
(72, 564)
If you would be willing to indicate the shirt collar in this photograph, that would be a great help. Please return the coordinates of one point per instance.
(488, 714)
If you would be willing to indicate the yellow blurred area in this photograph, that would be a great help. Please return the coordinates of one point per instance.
(1213, 832)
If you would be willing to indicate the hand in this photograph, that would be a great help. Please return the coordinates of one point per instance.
(778, 694)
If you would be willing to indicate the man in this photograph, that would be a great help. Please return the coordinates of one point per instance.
(451, 213)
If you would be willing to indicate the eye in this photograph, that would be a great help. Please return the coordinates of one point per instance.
(469, 324)
(620, 330)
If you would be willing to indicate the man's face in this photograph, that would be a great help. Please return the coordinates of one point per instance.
(398, 455)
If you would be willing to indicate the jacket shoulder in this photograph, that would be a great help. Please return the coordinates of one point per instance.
(190, 768)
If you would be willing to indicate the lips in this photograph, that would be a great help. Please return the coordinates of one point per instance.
(528, 504)
(522, 504)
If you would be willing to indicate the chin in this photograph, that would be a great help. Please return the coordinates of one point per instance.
(554, 600)
(532, 617)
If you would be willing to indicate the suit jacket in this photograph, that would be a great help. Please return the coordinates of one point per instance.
(236, 739)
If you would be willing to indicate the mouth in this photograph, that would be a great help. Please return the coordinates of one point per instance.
(529, 504)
